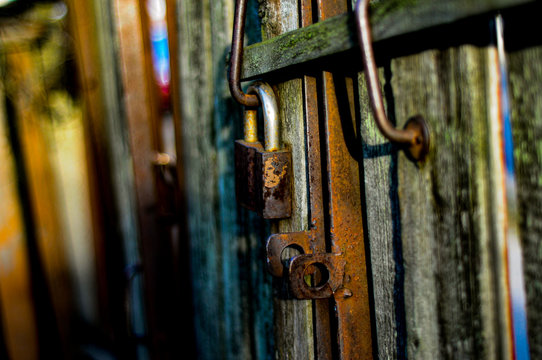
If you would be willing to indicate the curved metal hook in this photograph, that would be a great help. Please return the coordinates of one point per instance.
(234, 74)
(266, 95)
(415, 135)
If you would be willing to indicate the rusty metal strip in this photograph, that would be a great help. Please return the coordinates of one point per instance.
(347, 235)
(321, 308)
(346, 225)
(341, 274)
(313, 240)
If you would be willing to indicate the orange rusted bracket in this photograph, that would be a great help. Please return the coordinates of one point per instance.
(340, 271)
(329, 267)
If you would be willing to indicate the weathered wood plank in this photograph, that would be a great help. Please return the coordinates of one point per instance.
(86, 34)
(525, 72)
(336, 35)
(138, 101)
(201, 182)
(293, 318)
(110, 165)
(429, 226)
(380, 195)
(445, 205)
(233, 311)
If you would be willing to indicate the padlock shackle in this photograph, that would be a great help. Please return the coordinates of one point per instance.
(270, 114)
(251, 125)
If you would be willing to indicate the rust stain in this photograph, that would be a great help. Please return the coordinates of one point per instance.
(273, 175)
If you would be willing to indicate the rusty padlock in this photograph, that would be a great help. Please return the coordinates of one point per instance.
(263, 174)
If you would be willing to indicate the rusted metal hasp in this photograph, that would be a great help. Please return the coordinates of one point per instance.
(278, 242)
(329, 270)
(340, 274)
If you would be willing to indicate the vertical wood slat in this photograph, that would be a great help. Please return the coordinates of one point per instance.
(140, 110)
(380, 198)
(293, 318)
(112, 183)
(82, 21)
(45, 238)
(17, 315)
(232, 291)
(442, 235)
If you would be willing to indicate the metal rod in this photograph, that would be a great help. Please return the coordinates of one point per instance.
(415, 135)
(266, 96)
(251, 125)
(234, 74)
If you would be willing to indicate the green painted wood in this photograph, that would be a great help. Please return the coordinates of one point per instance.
(232, 293)
(525, 72)
(389, 18)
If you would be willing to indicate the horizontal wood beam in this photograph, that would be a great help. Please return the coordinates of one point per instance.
(389, 19)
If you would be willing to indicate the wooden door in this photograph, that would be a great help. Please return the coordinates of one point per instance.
(437, 234)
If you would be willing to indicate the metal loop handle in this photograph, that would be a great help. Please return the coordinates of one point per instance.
(266, 96)
(415, 135)
(234, 74)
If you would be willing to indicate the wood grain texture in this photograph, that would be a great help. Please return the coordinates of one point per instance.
(445, 229)
(525, 73)
(233, 307)
(429, 225)
(138, 101)
(389, 19)
(293, 318)
(88, 31)
(380, 195)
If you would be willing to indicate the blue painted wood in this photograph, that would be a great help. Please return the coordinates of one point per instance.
(233, 306)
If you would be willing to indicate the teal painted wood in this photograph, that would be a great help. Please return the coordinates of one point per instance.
(233, 307)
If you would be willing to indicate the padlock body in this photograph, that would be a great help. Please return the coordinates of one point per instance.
(274, 188)
(247, 173)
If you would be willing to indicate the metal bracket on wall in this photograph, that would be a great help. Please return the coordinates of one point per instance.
(311, 275)
(414, 138)
(326, 271)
